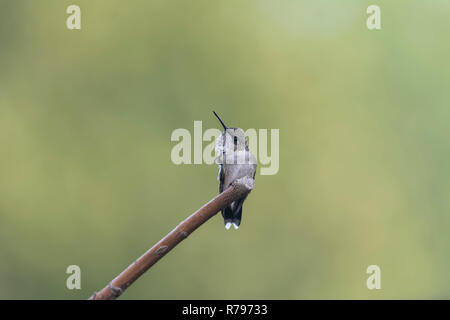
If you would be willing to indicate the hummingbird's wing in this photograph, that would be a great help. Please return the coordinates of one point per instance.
(227, 212)
(237, 213)
(221, 178)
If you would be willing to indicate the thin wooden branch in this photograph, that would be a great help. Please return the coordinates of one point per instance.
(116, 287)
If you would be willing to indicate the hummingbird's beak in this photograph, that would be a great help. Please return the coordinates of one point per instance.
(223, 124)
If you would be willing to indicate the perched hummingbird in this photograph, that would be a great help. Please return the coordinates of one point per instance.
(235, 161)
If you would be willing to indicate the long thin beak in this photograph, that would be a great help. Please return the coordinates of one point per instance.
(223, 124)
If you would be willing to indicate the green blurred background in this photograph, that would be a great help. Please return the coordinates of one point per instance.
(85, 124)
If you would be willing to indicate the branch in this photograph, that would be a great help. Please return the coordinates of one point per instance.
(116, 287)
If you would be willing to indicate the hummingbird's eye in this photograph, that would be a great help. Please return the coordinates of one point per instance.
(235, 140)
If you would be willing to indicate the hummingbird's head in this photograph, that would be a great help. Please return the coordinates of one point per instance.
(234, 137)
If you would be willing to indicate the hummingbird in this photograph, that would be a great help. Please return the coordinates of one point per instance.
(235, 161)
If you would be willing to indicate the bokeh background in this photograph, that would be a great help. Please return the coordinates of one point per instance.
(364, 117)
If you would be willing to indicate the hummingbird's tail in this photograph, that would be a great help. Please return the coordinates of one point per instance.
(238, 216)
(227, 214)
(228, 225)
(232, 214)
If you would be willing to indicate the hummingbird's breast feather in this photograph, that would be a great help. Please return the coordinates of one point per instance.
(234, 171)
(235, 160)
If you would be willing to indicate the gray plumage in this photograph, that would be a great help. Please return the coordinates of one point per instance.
(235, 161)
